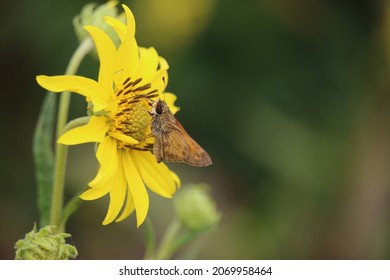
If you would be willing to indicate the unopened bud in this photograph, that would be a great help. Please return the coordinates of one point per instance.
(195, 207)
(44, 245)
(93, 14)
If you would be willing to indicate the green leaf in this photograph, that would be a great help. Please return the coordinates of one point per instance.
(43, 156)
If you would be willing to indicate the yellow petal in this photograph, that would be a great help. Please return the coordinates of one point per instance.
(102, 186)
(81, 85)
(93, 131)
(119, 27)
(107, 155)
(129, 207)
(95, 193)
(123, 138)
(106, 52)
(136, 187)
(156, 176)
(130, 21)
(117, 193)
(159, 79)
(163, 64)
(170, 99)
(176, 179)
(126, 62)
(148, 62)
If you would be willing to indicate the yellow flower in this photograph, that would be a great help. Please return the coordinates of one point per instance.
(129, 76)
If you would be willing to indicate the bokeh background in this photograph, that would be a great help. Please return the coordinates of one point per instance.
(290, 98)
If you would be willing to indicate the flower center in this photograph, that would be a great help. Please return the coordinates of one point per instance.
(132, 115)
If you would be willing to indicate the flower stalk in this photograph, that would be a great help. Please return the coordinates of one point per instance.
(166, 248)
(195, 214)
(61, 150)
(150, 240)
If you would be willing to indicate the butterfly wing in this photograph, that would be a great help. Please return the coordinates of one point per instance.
(176, 145)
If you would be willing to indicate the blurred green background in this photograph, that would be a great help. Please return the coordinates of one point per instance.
(290, 98)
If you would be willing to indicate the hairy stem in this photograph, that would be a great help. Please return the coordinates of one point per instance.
(61, 151)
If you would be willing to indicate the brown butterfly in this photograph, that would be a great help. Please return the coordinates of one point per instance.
(172, 143)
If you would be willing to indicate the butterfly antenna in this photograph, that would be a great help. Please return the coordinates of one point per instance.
(163, 78)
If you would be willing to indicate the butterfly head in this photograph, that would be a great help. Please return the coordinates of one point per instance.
(158, 107)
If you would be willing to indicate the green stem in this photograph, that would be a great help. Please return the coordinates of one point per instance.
(150, 240)
(70, 208)
(82, 50)
(76, 123)
(61, 150)
(185, 238)
(166, 248)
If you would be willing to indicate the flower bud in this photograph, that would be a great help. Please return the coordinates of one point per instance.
(195, 207)
(44, 245)
(93, 14)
